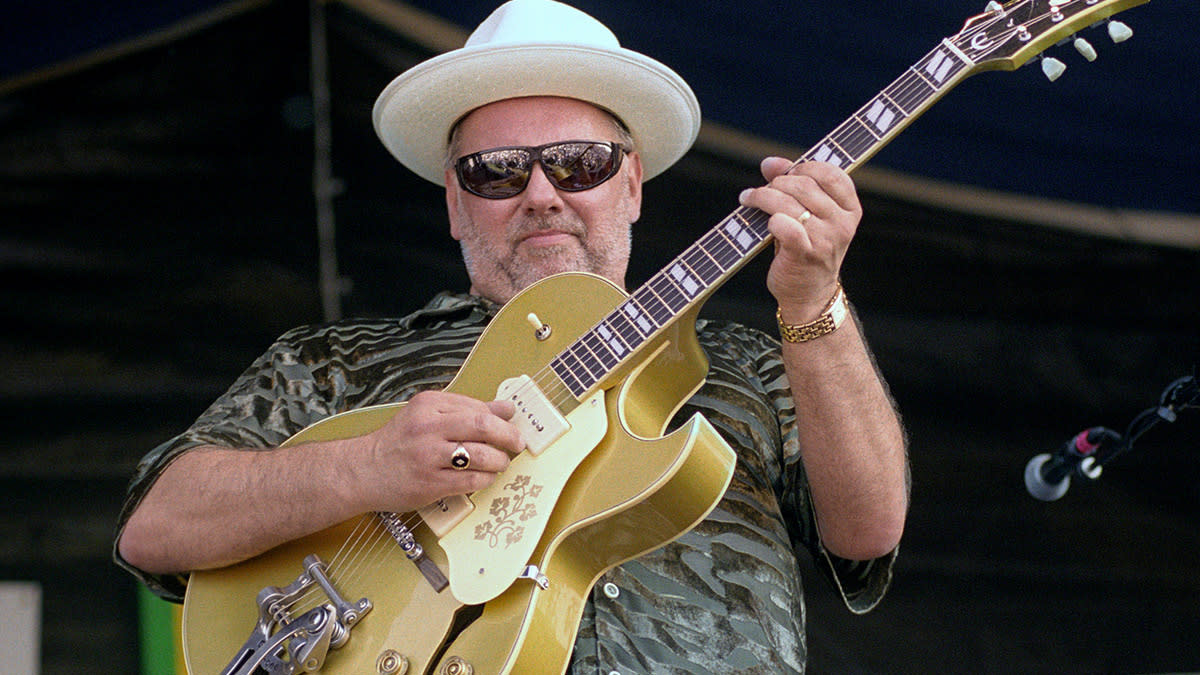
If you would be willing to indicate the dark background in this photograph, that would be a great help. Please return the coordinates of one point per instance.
(157, 233)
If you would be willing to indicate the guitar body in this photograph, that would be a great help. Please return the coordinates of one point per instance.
(633, 491)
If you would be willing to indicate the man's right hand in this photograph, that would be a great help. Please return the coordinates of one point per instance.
(406, 463)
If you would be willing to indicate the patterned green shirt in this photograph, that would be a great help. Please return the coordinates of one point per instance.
(725, 597)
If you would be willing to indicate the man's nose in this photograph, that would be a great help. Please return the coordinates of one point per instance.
(540, 196)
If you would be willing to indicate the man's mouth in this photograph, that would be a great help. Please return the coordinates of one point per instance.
(546, 237)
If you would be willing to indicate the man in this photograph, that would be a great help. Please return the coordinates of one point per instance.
(542, 130)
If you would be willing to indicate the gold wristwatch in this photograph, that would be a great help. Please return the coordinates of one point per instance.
(831, 317)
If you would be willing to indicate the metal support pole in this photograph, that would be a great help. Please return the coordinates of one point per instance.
(325, 186)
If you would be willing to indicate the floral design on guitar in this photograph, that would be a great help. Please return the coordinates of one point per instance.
(509, 511)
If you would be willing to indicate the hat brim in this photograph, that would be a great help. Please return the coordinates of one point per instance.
(414, 114)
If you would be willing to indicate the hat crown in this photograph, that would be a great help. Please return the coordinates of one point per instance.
(540, 22)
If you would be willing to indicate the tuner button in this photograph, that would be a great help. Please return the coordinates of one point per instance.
(1119, 32)
(993, 6)
(1052, 67)
(1084, 47)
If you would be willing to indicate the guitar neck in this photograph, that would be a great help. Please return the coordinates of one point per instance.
(1004, 37)
(700, 269)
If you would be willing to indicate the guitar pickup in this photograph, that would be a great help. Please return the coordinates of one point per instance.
(538, 419)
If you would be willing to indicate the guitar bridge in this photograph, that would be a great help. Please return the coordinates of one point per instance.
(413, 551)
(283, 644)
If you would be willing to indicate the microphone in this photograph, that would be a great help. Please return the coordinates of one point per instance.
(1048, 475)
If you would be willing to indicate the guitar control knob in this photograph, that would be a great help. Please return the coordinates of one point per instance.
(391, 662)
(455, 665)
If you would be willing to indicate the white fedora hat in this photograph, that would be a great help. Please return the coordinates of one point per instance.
(536, 48)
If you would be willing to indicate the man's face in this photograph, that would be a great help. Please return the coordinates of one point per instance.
(508, 244)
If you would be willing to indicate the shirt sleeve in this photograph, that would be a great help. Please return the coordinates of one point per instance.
(277, 396)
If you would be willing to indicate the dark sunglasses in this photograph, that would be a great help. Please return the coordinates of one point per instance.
(571, 166)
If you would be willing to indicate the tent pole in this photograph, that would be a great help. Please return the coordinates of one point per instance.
(325, 186)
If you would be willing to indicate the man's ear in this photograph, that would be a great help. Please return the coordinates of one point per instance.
(633, 165)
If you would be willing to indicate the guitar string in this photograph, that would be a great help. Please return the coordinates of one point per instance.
(298, 605)
(343, 579)
(332, 568)
(366, 556)
(354, 555)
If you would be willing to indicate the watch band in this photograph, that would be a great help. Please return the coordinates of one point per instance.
(831, 317)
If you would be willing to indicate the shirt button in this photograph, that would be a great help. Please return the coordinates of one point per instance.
(614, 672)
(611, 590)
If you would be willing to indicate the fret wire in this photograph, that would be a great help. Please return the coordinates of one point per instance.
(654, 306)
(636, 312)
(576, 369)
(587, 354)
(866, 123)
(746, 227)
(837, 155)
(893, 101)
(564, 372)
(935, 59)
(853, 140)
(612, 337)
(836, 135)
(702, 247)
(912, 92)
(588, 362)
(673, 297)
(683, 278)
(664, 311)
(700, 265)
(726, 249)
(923, 78)
(756, 221)
(574, 361)
(627, 328)
(600, 349)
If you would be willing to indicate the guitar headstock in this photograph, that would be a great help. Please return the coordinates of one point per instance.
(1006, 36)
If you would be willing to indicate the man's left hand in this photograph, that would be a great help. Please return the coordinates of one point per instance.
(809, 249)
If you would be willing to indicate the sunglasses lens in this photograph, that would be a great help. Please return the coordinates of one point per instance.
(579, 166)
(571, 166)
(496, 174)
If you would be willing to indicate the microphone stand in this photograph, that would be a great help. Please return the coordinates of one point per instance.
(1047, 476)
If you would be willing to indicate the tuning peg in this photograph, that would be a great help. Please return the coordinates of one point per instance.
(993, 6)
(1119, 32)
(1052, 67)
(1085, 48)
